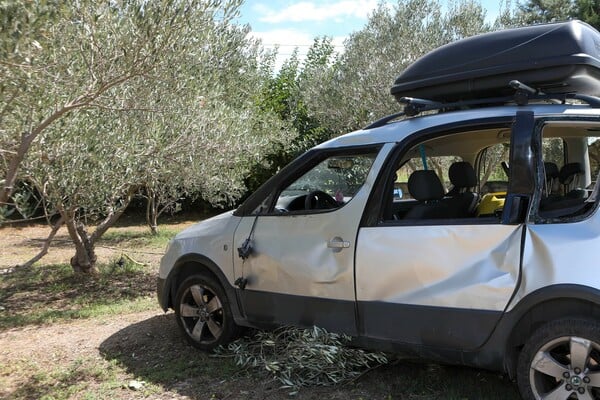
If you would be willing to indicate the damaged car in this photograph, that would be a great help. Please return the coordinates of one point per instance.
(463, 229)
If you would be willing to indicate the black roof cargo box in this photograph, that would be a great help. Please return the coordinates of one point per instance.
(555, 58)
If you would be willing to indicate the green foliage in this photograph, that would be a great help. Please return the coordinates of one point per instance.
(353, 89)
(538, 11)
(282, 96)
(589, 11)
(100, 101)
(303, 357)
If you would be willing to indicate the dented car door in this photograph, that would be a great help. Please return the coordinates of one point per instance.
(301, 270)
(446, 282)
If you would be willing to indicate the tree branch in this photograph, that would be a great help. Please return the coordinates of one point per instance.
(69, 221)
(46, 245)
(28, 138)
(112, 216)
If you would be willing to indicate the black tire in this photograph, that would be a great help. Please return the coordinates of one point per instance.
(561, 360)
(203, 313)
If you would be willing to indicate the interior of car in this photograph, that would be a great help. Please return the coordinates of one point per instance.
(466, 174)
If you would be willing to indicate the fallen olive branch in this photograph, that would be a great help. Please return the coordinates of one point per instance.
(303, 357)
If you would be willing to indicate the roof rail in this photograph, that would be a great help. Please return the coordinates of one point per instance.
(522, 96)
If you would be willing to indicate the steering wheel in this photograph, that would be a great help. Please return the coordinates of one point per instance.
(318, 199)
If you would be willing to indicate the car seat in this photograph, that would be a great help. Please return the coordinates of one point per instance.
(426, 188)
(461, 199)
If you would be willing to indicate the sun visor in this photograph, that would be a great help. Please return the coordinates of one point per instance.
(555, 58)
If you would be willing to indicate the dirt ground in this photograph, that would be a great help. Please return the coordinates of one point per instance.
(143, 344)
(19, 243)
(60, 344)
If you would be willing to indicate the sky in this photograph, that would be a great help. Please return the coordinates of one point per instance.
(295, 23)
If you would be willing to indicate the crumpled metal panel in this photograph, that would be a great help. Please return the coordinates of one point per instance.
(290, 253)
(463, 266)
(560, 253)
(212, 238)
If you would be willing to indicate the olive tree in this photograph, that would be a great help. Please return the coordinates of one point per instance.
(103, 100)
(57, 58)
(538, 11)
(355, 88)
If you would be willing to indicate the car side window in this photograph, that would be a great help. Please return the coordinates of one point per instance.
(328, 185)
(569, 159)
(440, 180)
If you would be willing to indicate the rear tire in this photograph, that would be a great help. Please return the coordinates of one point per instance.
(204, 314)
(561, 361)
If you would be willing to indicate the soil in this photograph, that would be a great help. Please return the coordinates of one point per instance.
(61, 344)
(143, 344)
(21, 242)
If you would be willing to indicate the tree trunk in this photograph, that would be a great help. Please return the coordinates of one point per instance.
(13, 168)
(152, 211)
(85, 262)
(492, 164)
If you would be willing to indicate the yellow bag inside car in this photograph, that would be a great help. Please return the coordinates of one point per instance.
(490, 203)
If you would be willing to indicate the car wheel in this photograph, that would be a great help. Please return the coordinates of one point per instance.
(203, 313)
(561, 361)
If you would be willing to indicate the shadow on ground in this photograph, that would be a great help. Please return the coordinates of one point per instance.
(154, 351)
(37, 295)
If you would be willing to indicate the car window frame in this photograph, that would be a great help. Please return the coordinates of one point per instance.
(534, 215)
(263, 201)
(373, 214)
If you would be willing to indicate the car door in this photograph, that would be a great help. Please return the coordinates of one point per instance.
(445, 282)
(560, 253)
(300, 270)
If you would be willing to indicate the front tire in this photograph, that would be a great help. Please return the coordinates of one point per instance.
(204, 314)
(561, 361)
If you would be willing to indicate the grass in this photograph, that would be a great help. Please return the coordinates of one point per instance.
(139, 238)
(48, 294)
(62, 383)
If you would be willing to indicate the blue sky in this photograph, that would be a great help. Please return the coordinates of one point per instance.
(291, 23)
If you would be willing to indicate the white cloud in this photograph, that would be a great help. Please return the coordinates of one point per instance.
(310, 11)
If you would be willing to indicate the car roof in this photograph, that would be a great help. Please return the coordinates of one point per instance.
(400, 129)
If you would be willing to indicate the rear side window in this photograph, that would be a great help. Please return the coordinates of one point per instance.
(569, 166)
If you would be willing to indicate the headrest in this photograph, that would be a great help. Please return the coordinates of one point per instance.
(568, 172)
(462, 175)
(425, 186)
(551, 170)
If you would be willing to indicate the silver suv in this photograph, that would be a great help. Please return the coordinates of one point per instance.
(462, 229)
